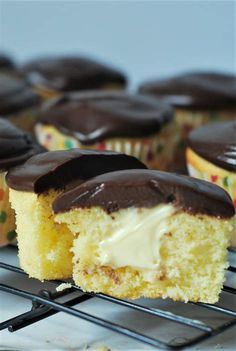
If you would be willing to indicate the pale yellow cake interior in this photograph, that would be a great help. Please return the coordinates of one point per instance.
(44, 245)
(158, 252)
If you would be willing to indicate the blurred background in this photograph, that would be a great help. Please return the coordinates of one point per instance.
(146, 39)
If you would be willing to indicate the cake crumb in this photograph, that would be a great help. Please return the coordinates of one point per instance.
(103, 348)
(63, 286)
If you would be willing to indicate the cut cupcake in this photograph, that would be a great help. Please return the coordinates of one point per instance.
(44, 246)
(143, 233)
(138, 126)
(52, 76)
(211, 155)
(198, 98)
(15, 148)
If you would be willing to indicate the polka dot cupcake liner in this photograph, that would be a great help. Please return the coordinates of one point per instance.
(7, 215)
(155, 151)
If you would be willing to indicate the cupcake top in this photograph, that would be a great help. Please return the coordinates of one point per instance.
(95, 115)
(6, 62)
(15, 94)
(216, 142)
(145, 189)
(71, 73)
(195, 90)
(16, 146)
(59, 169)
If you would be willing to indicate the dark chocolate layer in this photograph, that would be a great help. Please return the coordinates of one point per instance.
(93, 116)
(195, 90)
(147, 188)
(15, 94)
(216, 142)
(6, 62)
(16, 146)
(71, 73)
(57, 169)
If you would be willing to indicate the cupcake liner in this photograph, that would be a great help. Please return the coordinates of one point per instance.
(155, 151)
(7, 215)
(25, 120)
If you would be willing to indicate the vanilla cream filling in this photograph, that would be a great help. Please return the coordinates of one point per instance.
(135, 241)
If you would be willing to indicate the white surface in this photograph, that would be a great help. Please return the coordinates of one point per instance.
(64, 332)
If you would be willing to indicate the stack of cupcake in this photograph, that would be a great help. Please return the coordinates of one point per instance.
(89, 207)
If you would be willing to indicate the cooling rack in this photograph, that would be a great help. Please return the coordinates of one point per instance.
(47, 302)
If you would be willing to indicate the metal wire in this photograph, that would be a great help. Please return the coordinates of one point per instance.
(46, 304)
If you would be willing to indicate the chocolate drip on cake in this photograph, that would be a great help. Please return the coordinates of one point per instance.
(15, 94)
(16, 146)
(147, 188)
(216, 143)
(57, 169)
(71, 73)
(195, 90)
(93, 116)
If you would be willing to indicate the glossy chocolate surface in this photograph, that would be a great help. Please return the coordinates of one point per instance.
(197, 90)
(71, 73)
(147, 188)
(93, 116)
(58, 169)
(216, 142)
(16, 146)
(15, 94)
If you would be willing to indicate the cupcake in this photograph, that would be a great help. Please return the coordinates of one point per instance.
(211, 155)
(15, 148)
(198, 98)
(55, 75)
(18, 103)
(145, 233)
(6, 62)
(136, 125)
(44, 246)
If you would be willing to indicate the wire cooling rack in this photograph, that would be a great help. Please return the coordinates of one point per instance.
(47, 303)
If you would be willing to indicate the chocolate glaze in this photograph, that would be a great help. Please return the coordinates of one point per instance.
(216, 142)
(197, 90)
(16, 146)
(57, 169)
(71, 73)
(93, 116)
(147, 188)
(15, 94)
(6, 62)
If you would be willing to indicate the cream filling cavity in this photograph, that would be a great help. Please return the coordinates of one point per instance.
(135, 241)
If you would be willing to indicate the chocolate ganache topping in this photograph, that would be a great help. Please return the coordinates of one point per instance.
(16, 146)
(5, 62)
(146, 188)
(61, 169)
(15, 94)
(71, 73)
(93, 116)
(195, 90)
(216, 142)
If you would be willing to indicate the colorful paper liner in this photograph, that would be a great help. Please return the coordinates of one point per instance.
(7, 215)
(155, 151)
(187, 121)
(25, 119)
(202, 169)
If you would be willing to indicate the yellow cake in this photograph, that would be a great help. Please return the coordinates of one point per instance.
(44, 246)
(143, 233)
